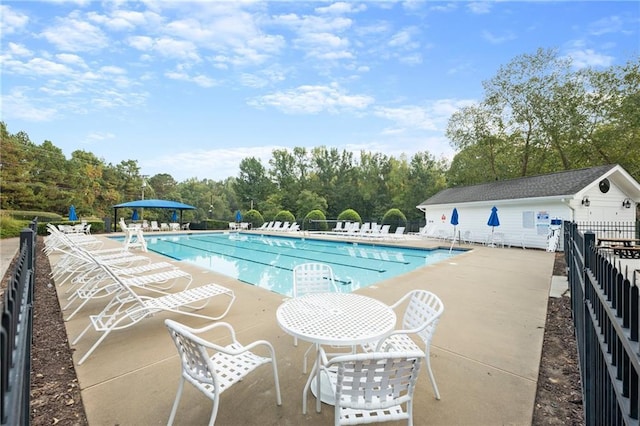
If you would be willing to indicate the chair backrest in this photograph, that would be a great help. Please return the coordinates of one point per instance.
(313, 277)
(423, 313)
(195, 360)
(373, 381)
(400, 230)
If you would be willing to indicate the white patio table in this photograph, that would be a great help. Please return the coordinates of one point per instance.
(340, 319)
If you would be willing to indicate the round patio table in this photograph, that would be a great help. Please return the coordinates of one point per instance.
(339, 319)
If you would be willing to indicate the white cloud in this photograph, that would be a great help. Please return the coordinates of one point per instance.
(584, 58)
(311, 99)
(19, 104)
(71, 59)
(73, 34)
(11, 21)
(340, 8)
(480, 8)
(15, 49)
(217, 164)
(200, 80)
(498, 39)
(610, 24)
(432, 116)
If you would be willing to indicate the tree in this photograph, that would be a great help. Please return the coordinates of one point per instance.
(308, 201)
(252, 182)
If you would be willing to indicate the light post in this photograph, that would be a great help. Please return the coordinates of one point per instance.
(211, 208)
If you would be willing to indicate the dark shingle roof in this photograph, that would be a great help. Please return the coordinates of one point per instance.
(554, 184)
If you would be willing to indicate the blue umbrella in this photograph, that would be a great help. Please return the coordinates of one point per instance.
(454, 222)
(72, 213)
(134, 216)
(493, 221)
(238, 216)
(174, 217)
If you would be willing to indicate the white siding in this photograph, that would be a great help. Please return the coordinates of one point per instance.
(518, 220)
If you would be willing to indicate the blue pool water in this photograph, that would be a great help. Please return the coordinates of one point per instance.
(268, 261)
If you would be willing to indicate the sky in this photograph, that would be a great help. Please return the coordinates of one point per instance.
(192, 88)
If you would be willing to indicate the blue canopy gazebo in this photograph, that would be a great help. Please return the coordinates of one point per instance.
(151, 204)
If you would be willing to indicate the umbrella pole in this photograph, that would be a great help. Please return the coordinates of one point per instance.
(453, 240)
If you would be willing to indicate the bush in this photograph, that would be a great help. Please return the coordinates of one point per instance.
(394, 218)
(11, 227)
(254, 218)
(209, 225)
(284, 216)
(349, 215)
(314, 215)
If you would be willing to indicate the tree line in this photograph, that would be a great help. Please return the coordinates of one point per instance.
(538, 115)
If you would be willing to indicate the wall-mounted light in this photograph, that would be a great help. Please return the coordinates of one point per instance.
(585, 201)
(626, 203)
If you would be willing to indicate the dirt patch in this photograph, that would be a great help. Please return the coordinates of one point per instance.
(56, 399)
(559, 393)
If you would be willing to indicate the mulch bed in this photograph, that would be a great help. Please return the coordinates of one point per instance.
(56, 399)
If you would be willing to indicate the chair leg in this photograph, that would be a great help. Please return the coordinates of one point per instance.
(433, 380)
(214, 411)
(174, 409)
(276, 380)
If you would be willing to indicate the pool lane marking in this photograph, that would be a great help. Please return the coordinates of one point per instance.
(258, 243)
(264, 251)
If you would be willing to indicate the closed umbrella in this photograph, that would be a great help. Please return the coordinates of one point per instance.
(493, 222)
(238, 216)
(174, 217)
(72, 213)
(134, 216)
(454, 222)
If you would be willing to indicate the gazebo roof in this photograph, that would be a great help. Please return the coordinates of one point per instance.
(155, 204)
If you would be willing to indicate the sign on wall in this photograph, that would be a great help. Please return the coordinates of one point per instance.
(542, 222)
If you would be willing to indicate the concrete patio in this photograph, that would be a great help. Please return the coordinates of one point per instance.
(485, 353)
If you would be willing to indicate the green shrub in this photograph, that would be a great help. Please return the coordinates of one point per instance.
(285, 216)
(10, 227)
(209, 225)
(254, 218)
(309, 221)
(394, 218)
(349, 215)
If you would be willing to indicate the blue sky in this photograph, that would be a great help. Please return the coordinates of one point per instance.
(192, 88)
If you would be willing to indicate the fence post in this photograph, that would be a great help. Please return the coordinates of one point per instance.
(589, 240)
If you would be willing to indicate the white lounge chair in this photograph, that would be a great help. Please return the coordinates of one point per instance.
(185, 226)
(150, 275)
(154, 225)
(420, 318)
(213, 368)
(129, 307)
(373, 387)
(339, 227)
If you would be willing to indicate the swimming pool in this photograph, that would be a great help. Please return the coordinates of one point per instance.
(268, 261)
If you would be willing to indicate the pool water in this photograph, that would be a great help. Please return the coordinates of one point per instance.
(268, 261)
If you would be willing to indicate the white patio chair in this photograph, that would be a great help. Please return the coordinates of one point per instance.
(312, 277)
(339, 227)
(128, 307)
(373, 387)
(213, 374)
(420, 318)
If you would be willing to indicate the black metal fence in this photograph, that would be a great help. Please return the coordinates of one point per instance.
(16, 334)
(606, 314)
(605, 229)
